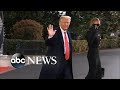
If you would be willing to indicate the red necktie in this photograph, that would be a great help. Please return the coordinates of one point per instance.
(67, 53)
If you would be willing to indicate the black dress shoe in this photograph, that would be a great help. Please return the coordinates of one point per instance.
(103, 70)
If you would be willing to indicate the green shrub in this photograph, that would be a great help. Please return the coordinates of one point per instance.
(118, 42)
(27, 30)
(109, 43)
(114, 43)
(79, 46)
(10, 46)
(105, 36)
(105, 43)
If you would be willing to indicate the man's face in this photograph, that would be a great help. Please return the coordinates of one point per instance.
(64, 23)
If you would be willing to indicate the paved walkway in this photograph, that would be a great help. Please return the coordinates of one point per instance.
(110, 60)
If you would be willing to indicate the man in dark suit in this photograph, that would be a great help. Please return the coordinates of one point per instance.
(59, 44)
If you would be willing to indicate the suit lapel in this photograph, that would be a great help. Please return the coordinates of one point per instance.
(70, 40)
(61, 37)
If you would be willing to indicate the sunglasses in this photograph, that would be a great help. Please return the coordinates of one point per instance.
(96, 24)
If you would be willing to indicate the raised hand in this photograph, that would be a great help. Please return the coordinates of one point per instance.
(51, 32)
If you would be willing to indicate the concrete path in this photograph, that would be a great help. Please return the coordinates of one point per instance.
(110, 60)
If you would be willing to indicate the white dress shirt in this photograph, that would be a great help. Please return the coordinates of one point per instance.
(63, 38)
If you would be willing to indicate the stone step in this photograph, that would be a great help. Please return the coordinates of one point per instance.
(4, 57)
(5, 63)
(5, 60)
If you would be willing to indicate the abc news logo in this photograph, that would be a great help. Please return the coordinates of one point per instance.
(18, 60)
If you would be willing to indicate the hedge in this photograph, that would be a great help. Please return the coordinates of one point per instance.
(10, 45)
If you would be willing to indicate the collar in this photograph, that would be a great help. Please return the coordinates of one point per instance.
(62, 30)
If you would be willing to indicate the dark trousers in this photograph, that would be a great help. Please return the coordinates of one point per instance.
(95, 70)
(60, 71)
(65, 72)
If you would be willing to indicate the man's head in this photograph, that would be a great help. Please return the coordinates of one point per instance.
(64, 22)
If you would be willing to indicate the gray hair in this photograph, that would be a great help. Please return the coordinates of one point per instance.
(65, 17)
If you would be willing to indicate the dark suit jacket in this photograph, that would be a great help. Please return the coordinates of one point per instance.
(56, 48)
